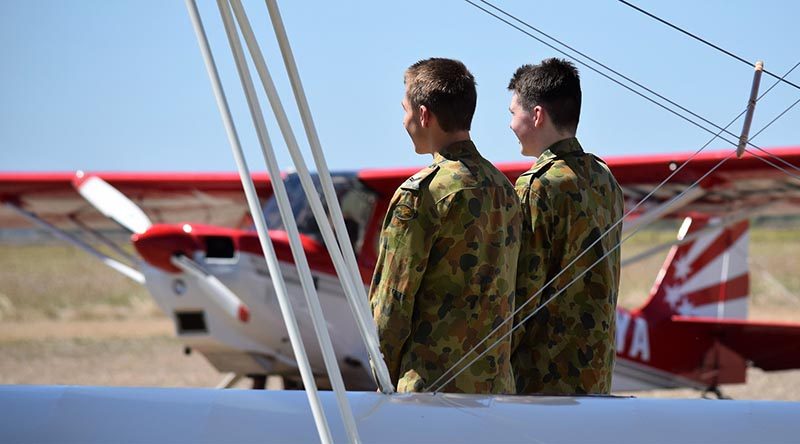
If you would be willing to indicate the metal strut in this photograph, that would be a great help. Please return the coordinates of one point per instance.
(116, 265)
(105, 240)
(343, 259)
(254, 205)
(285, 208)
(751, 107)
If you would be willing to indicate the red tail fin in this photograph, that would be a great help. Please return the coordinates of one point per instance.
(707, 276)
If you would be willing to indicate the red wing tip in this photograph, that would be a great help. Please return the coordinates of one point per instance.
(244, 313)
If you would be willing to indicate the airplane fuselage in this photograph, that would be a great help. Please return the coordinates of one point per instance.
(647, 356)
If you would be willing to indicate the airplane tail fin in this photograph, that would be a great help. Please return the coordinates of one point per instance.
(707, 276)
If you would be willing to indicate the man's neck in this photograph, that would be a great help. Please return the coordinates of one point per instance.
(443, 139)
(551, 139)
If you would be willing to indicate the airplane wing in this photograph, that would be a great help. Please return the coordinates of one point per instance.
(770, 346)
(748, 182)
(206, 198)
(217, 198)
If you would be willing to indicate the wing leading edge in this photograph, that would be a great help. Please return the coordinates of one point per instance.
(208, 198)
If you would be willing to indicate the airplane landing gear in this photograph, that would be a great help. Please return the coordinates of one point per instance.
(714, 392)
(259, 382)
(229, 381)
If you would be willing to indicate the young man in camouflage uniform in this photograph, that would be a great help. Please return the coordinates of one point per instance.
(569, 199)
(448, 250)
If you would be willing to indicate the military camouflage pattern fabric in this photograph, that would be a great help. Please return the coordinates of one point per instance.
(569, 198)
(445, 273)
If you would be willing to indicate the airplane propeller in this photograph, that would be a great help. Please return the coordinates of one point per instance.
(113, 204)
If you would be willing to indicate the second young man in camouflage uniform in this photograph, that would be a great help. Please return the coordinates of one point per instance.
(569, 199)
(448, 250)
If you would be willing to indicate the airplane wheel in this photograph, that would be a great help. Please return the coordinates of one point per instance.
(259, 382)
(714, 393)
(292, 384)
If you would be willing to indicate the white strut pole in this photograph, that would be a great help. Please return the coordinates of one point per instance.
(285, 207)
(382, 372)
(313, 140)
(363, 320)
(261, 227)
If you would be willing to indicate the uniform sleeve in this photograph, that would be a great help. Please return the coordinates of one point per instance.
(533, 260)
(409, 231)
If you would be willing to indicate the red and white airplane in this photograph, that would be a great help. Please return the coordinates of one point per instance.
(203, 265)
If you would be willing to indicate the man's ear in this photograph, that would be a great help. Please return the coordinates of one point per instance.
(425, 116)
(539, 116)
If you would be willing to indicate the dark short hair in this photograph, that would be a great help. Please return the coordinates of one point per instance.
(446, 88)
(555, 85)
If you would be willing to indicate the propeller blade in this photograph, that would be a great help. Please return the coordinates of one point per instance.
(214, 288)
(112, 203)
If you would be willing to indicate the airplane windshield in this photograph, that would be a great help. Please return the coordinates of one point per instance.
(357, 203)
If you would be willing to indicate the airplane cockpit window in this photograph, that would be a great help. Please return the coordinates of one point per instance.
(356, 200)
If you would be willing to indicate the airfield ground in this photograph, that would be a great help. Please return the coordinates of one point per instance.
(66, 319)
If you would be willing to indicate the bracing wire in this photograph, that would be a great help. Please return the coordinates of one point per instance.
(777, 117)
(704, 41)
(618, 82)
(774, 165)
(564, 53)
(777, 82)
(593, 60)
(772, 155)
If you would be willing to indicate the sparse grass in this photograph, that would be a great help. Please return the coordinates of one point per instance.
(637, 279)
(773, 259)
(55, 281)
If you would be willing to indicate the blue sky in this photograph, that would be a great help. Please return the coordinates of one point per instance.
(99, 85)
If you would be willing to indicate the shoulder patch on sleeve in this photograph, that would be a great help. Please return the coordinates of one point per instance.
(405, 211)
(413, 182)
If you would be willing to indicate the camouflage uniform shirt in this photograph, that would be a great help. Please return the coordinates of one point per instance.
(569, 198)
(445, 273)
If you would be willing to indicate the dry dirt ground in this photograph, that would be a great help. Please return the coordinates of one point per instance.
(144, 353)
(66, 320)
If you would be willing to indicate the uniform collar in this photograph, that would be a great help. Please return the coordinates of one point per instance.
(560, 149)
(456, 151)
(557, 150)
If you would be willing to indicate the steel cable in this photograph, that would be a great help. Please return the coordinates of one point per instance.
(704, 41)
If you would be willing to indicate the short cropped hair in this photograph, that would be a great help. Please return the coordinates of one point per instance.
(554, 85)
(446, 88)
